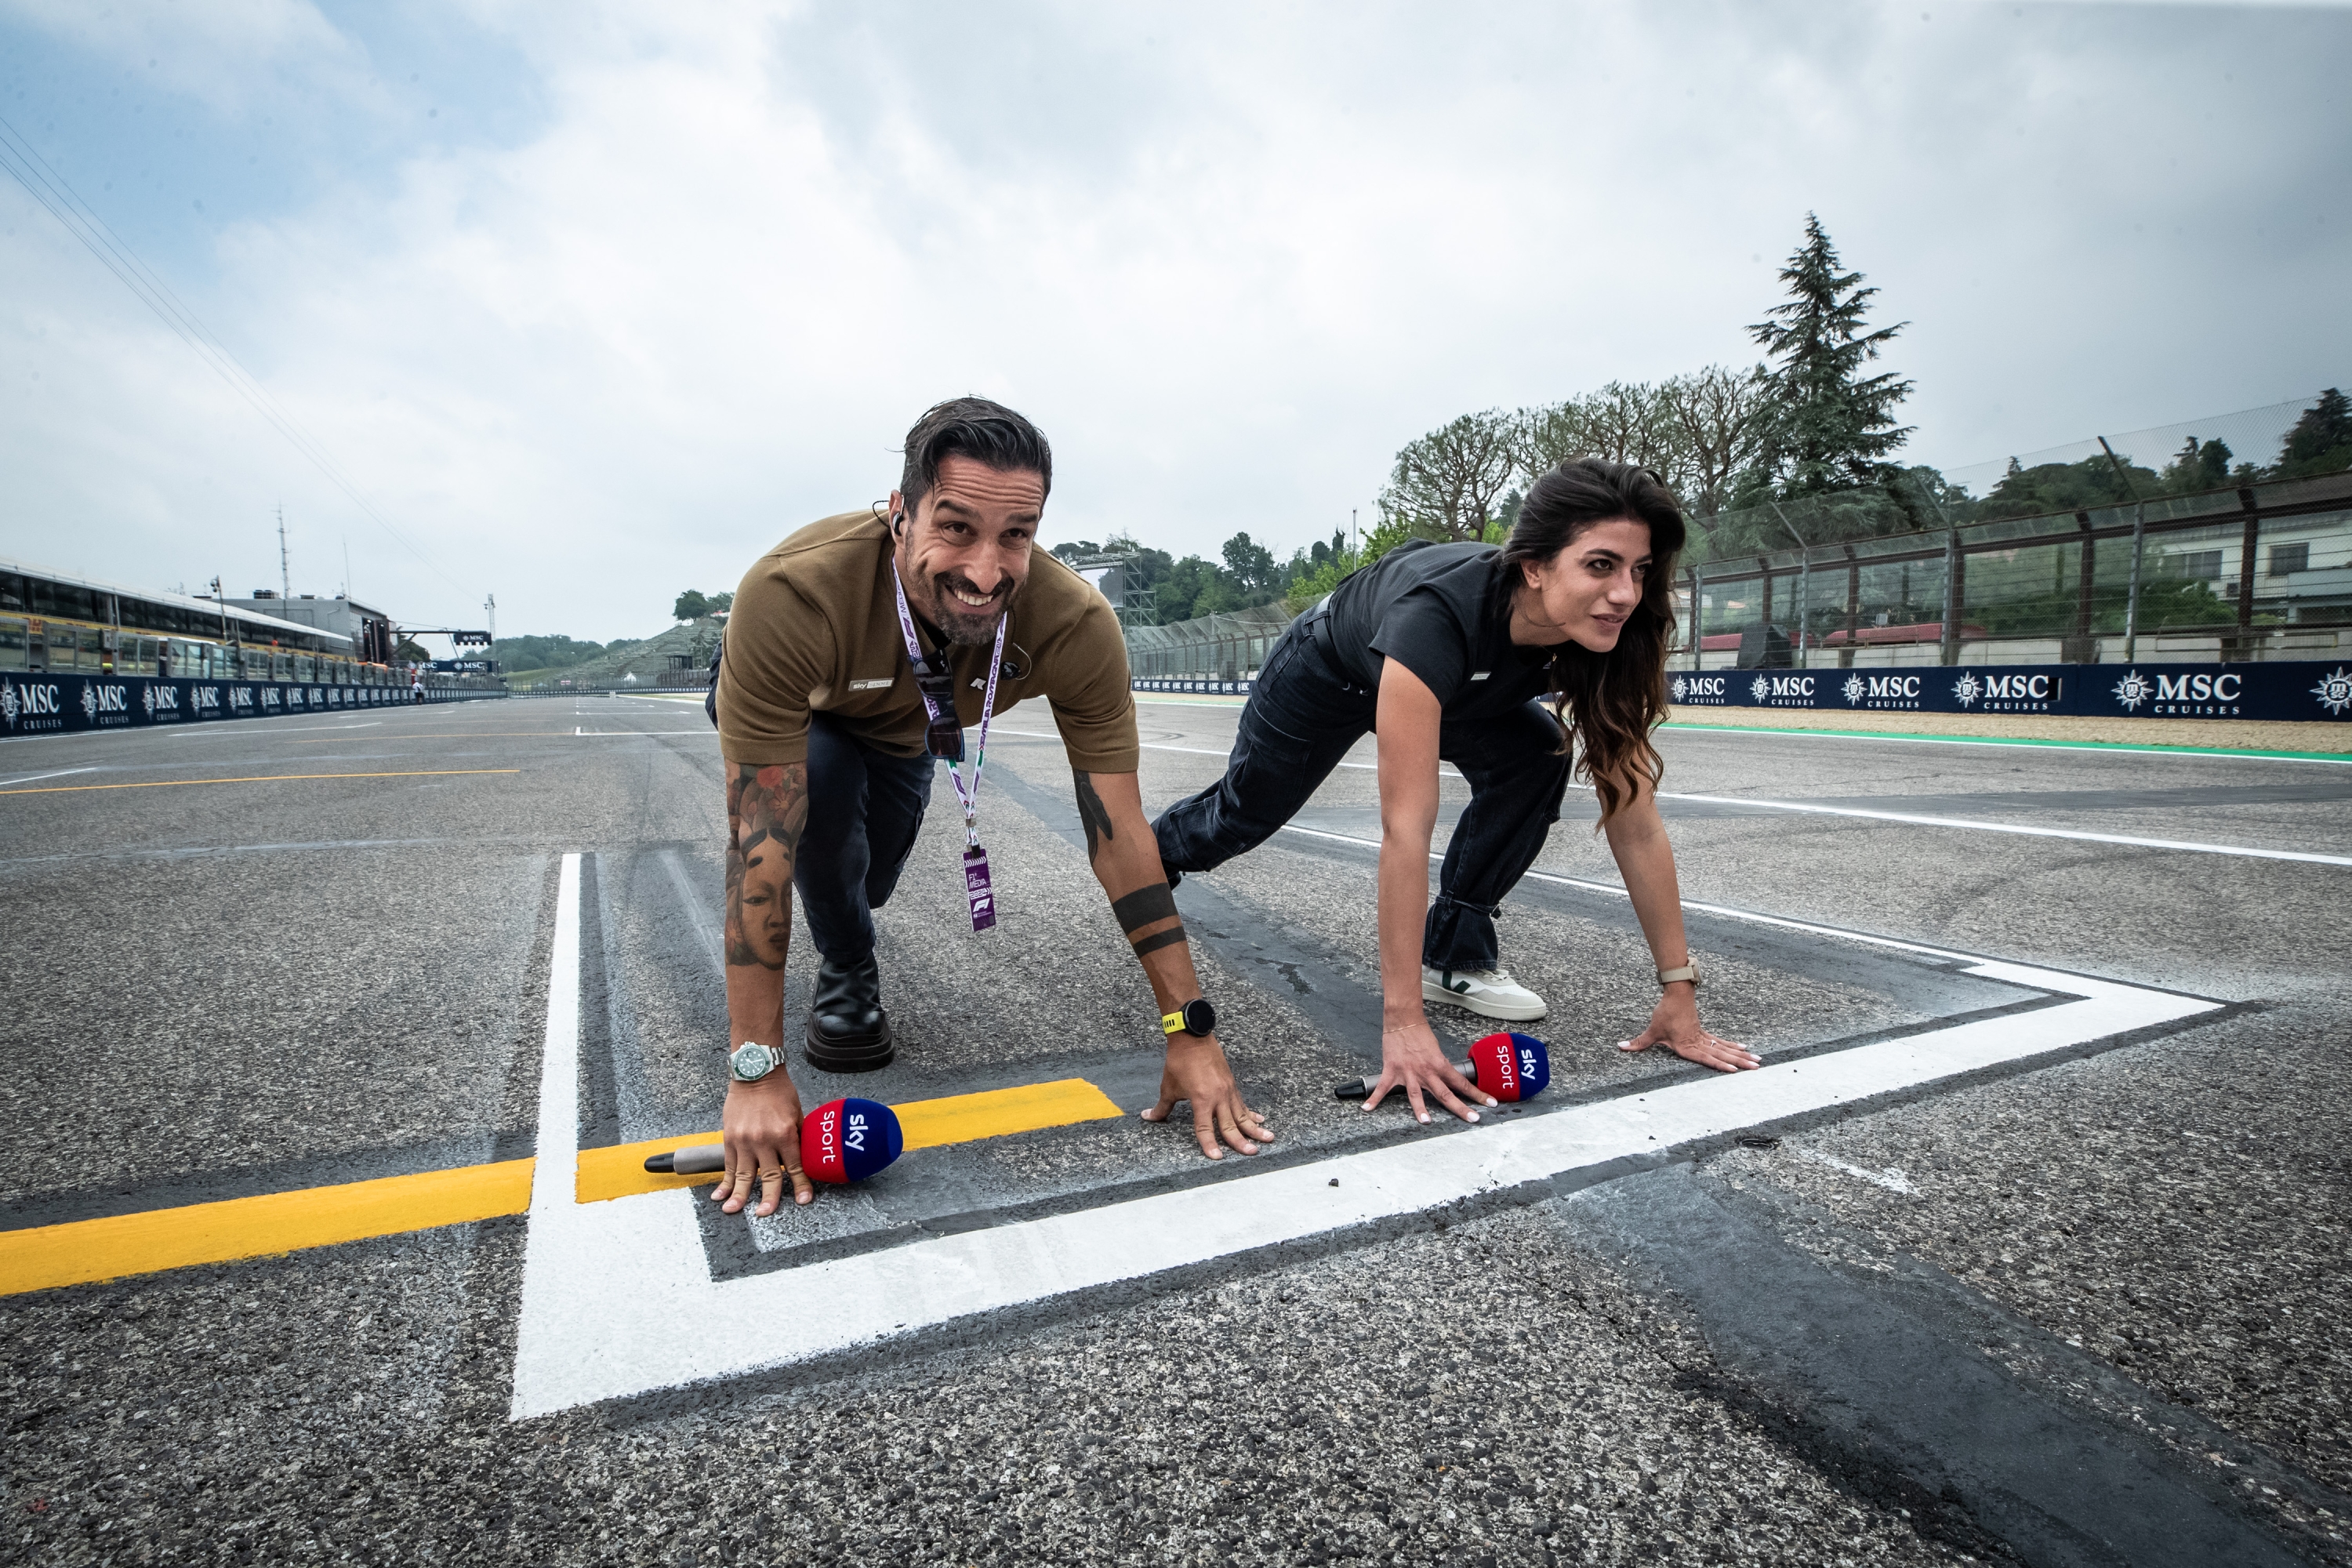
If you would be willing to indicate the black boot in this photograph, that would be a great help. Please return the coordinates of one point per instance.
(847, 1029)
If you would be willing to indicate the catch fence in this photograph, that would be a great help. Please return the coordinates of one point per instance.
(2250, 571)
(1220, 647)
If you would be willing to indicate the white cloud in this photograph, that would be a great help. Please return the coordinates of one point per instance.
(216, 51)
(1229, 265)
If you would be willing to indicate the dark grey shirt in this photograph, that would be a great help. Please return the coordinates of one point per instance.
(1434, 609)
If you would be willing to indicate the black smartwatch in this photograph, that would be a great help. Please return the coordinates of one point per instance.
(1195, 1018)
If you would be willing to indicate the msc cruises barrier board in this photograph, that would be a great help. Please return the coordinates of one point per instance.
(2282, 690)
(40, 704)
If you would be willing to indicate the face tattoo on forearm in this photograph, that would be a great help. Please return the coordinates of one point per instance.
(766, 809)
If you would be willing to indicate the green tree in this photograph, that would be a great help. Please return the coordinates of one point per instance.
(2069, 487)
(691, 606)
(1835, 426)
(544, 652)
(2197, 465)
(1251, 564)
(1725, 418)
(1446, 484)
(2321, 441)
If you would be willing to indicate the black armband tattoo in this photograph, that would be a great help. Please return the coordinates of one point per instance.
(1139, 908)
(1154, 944)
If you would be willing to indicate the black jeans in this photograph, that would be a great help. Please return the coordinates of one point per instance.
(1301, 718)
(864, 808)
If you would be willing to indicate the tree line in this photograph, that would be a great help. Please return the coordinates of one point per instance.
(1801, 447)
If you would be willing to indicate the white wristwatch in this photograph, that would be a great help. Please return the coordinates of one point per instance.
(1687, 972)
(752, 1061)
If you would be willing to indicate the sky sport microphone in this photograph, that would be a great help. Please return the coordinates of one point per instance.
(1512, 1067)
(841, 1141)
(848, 1140)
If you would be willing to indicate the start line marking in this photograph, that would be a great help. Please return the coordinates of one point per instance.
(617, 1297)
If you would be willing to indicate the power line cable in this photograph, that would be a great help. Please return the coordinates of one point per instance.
(49, 188)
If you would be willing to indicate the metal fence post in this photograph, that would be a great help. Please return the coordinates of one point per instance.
(2131, 602)
(1804, 581)
(1698, 619)
(1852, 608)
(1952, 595)
(2246, 552)
(2082, 647)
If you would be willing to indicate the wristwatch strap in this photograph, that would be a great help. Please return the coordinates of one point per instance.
(1687, 972)
(1173, 1023)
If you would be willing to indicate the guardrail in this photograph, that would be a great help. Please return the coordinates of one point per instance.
(56, 704)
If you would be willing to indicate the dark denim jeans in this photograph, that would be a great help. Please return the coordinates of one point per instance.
(864, 809)
(1301, 718)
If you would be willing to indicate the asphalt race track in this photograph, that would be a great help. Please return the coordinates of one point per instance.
(331, 1041)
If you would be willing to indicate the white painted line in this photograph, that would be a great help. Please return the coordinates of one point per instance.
(2190, 845)
(1979, 825)
(1614, 891)
(214, 729)
(618, 1300)
(2076, 748)
(1444, 770)
(1892, 1177)
(61, 773)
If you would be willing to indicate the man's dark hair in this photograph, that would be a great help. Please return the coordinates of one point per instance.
(986, 432)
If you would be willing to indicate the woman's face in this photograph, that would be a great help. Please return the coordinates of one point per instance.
(1583, 593)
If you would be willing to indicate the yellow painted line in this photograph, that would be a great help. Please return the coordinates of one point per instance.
(1025, 1107)
(87, 1250)
(262, 778)
(619, 1171)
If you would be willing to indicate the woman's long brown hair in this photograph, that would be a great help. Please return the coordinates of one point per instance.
(1607, 703)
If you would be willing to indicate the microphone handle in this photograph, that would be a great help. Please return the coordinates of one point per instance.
(699, 1160)
(1361, 1087)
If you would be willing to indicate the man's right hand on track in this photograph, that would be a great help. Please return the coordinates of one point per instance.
(762, 1138)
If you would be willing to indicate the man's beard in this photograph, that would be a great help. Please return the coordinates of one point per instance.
(961, 625)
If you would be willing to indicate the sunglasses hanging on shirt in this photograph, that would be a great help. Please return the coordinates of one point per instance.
(943, 737)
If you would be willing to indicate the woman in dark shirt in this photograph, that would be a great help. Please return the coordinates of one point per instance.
(1450, 652)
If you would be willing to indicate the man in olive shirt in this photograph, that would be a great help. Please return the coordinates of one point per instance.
(831, 731)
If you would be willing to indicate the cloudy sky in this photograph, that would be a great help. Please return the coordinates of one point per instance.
(593, 303)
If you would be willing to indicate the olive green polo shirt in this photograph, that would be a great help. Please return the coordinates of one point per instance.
(814, 629)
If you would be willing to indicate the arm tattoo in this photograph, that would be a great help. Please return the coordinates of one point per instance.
(766, 810)
(1096, 820)
(1147, 904)
(1169, 938)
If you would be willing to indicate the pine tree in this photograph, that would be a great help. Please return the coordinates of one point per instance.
(1836, 426)
(2321, 441)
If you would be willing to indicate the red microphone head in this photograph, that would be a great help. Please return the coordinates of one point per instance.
(848, 1140)
(1512, 1067)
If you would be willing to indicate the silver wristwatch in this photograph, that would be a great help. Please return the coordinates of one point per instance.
(752, 1061)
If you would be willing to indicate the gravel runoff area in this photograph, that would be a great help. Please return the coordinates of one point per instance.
(1757, 1356)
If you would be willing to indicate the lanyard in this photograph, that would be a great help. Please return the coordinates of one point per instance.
(969, 795)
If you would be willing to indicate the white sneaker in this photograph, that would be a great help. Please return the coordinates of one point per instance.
(1492, 992)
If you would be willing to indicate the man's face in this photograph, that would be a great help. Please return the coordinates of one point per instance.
(964, 553)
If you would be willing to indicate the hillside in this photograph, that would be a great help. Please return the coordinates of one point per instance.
(644, 663)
